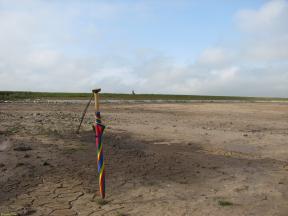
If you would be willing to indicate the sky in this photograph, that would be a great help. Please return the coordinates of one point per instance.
(205, 47)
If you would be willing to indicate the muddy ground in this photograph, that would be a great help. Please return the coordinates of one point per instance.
(161, 159)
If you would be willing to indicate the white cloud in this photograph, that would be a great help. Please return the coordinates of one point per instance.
(214, 55)
(226, 74)
(265, 31)
(271, 18)
(42, 58)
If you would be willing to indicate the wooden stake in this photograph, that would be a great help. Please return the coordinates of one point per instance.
(83, 114)
(97, 100)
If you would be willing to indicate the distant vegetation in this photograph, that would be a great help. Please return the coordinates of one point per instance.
(17, 95)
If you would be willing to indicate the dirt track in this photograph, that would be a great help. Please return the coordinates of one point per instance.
(161, 159)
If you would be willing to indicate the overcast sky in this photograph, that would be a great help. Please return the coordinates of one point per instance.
(205, 47)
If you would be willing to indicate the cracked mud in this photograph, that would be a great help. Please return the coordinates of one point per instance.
(161, 159)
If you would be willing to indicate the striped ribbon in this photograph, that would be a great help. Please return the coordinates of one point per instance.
(99, 129)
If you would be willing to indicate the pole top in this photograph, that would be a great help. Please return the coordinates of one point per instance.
(96, 90)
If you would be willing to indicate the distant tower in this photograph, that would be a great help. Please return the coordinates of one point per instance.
(133, 93)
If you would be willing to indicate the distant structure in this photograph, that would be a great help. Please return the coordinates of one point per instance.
(133, 93)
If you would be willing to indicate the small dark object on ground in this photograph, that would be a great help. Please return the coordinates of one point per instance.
(225, 203)
(46, 163)
(20, 164)
(22, 148)
(121, 214)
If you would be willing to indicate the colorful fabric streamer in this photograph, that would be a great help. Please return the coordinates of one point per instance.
(99, 129)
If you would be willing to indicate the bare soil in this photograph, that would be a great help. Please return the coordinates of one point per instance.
(161, 159)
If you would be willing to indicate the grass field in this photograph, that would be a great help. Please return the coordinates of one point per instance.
(20, 95)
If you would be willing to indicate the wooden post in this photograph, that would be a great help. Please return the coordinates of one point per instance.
(96, 99)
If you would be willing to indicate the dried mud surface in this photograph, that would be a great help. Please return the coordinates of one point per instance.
(161, 159)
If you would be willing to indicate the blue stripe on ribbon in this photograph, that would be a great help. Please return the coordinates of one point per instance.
(100, 162)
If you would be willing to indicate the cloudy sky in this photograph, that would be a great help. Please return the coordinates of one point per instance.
(205, 47)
